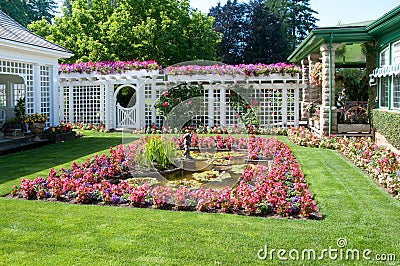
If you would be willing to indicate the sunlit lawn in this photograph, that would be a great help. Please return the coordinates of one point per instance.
(45, 233)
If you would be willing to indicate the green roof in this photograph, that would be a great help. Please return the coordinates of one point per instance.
(382, 29)
(388, 22)
(350, 33)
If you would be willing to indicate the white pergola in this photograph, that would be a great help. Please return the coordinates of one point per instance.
(92, 98)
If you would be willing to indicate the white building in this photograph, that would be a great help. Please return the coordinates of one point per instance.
(28, 68)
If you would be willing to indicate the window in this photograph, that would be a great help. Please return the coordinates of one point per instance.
(396, 53)
(384, 92)
(19, 92)
(396, 91)
(384, 57)
(3, 95)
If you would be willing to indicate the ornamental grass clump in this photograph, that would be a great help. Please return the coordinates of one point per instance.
(158, 152)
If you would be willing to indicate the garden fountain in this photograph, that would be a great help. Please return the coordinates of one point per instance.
(195, 166)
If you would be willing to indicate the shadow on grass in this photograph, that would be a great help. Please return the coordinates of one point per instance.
(25, 163)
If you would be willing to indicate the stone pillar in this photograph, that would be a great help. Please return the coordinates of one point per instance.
(324, 119)
(306, 90)
(315, 90)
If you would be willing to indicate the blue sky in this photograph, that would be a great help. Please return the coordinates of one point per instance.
(331, 11)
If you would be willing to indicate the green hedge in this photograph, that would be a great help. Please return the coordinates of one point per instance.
(388, 124)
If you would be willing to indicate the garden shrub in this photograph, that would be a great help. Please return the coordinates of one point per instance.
(388, 124)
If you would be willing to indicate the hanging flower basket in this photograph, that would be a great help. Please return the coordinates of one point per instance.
(316, 74)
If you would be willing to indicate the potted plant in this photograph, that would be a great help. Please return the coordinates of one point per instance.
(314, 112)
(36, 124)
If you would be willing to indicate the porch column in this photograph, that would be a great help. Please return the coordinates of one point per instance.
(370, 48)
(315, 90)
(112, 103)
(328, 53)
(211, 114)
(55, 107)
(306, 90)
(110, 106)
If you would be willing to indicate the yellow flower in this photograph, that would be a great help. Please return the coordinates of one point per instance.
(36, 118)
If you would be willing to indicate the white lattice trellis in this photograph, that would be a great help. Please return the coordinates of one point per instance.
(45, 96)
(24, 70)
(84, 103)
(274, 103)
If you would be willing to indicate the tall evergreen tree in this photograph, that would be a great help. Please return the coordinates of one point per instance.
(250, 33)
(27, 11)
(20, 10)
(67, 7)
(231, 21)
(266, 40)
(43, 8)
(297, 17)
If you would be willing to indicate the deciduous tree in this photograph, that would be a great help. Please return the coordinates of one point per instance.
(167, 31)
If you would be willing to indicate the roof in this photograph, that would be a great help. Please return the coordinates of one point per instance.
(386, 27)
(387, 22)
(12, 31)
(382, 29)
(348, 33)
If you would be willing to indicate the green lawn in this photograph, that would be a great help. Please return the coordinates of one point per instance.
(45, 233)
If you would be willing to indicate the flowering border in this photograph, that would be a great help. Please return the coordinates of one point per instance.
(381, 164)
(242, 69)
(108, 67)
(281, 190)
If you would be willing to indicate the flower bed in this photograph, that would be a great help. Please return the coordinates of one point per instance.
(60, 133)
(83, 126)
(242, 69)
(380, 163)
(280, 190)
(107, 67)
